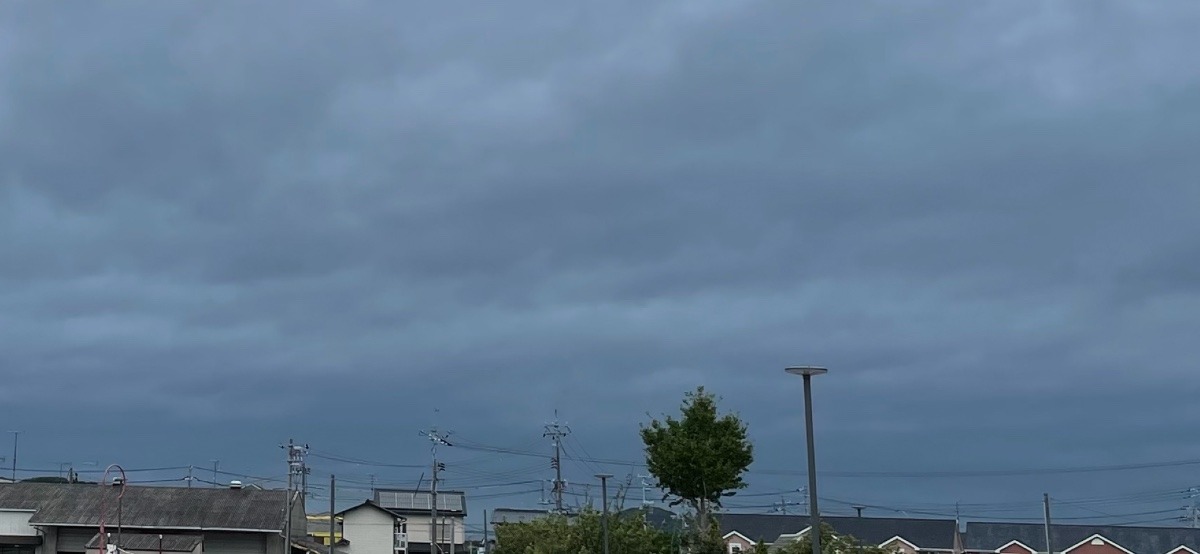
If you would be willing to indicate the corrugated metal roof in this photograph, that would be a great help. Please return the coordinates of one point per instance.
(149, 507)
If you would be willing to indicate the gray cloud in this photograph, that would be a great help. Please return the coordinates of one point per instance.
(228, 222)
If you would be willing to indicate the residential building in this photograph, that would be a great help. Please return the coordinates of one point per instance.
(415, 507)
(516, 515)
(906, 535)
(65, 518)
(369, 529)
(1030, 538)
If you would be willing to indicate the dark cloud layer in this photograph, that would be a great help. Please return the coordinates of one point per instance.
(223, 225)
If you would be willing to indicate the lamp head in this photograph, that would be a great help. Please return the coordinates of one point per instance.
(807, 370)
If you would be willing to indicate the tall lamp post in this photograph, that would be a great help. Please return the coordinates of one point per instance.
(604, 518)
(807, 373)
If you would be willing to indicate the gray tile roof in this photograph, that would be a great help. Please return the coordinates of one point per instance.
(658, 518)
(148, 507)
(925, 533)
(1140, 540)
(145, 541)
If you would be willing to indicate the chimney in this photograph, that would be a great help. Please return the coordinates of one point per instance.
(235, 485)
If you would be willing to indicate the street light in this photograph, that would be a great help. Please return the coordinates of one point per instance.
(604, 518)
(807, 373)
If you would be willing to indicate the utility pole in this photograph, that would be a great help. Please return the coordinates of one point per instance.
(1046, 502)
(487, 548)
(645, 489)
(556, 432)
(436, 440)
(14, 460)
(296, 467)
(332, 517)
(189, 477)
(216, 464)
(1193, 513)
(604, 477)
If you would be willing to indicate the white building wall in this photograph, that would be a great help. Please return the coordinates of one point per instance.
(418, 529)
(369, 531)
(16, 522)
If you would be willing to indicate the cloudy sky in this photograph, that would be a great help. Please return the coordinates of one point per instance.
(223, 225)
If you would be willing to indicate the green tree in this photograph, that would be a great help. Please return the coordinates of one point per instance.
(700, 457)
(831, 543)
(761, 547)
(582, 534)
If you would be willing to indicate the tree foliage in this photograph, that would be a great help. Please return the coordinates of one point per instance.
(582, 534)
(831, 543)
(700, 457)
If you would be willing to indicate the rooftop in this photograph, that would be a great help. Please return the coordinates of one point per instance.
(148, 507)
(401, 500)
(1140, 540)
(926, 533)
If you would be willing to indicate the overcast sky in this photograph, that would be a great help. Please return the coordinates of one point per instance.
(223, 225)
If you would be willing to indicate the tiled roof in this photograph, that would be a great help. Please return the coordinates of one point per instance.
(1139, 540)
(148, 507)
(925, 533)
(145, 541)
(658, 518)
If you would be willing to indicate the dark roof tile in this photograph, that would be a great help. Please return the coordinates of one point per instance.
(148, 507)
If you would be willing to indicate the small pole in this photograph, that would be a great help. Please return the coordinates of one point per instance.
(1046, 502)
(333, 518)
(486, 541)
(604, 517)
(14, 466)
(160, 544)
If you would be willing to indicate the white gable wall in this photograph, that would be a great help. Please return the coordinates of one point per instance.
(369, 531)
(16, 522)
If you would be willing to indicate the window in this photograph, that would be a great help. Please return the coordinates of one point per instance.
(735, 548)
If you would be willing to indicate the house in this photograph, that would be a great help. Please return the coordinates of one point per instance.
(370, 529)
(1030, 538)
(907, 535)
(516, 515)
(65, 518)
(415, 508)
